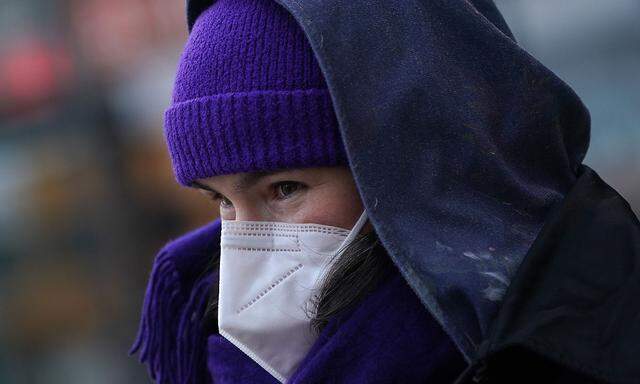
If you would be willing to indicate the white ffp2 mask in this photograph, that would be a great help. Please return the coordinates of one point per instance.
(268, 271)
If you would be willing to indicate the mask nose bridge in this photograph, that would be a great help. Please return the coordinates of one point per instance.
(318, 239)
(254, 235)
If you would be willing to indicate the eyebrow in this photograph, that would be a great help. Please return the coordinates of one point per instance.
(245, 181)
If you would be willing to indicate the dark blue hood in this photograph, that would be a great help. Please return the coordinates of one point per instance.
(459, 141)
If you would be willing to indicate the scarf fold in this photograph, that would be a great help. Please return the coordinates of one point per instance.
(389, 337)
(170, 339)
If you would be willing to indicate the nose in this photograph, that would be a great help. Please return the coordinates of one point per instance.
(250, 213)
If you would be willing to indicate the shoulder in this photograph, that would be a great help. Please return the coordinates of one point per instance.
(572, 306)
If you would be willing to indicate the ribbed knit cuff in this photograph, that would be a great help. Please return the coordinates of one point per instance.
(252, 131)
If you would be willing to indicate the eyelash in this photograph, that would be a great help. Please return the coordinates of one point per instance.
(219, 198)
(216, 198)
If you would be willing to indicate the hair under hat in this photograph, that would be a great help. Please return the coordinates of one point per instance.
(249, 96)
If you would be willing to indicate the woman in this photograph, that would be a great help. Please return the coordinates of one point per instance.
(487, 252)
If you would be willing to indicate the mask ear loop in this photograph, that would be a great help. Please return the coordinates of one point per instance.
(354, 232)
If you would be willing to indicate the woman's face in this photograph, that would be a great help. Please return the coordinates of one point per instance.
(321, 195)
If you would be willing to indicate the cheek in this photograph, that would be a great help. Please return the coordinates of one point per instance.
(338, 208)
(227, 214)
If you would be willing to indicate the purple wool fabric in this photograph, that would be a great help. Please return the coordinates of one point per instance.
(170, 339)
(389, 337)
(249, 96)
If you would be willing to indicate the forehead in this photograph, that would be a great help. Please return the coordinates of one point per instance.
(239, 181)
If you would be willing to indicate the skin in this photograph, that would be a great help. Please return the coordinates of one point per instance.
(321, 195)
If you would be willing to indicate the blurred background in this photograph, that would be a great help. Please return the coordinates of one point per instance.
(87, 195)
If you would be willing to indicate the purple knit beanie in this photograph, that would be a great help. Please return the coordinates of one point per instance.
(249, 96)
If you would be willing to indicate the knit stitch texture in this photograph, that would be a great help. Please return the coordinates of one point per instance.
(249, 96)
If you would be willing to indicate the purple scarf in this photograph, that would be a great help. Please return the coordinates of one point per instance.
(388, 337)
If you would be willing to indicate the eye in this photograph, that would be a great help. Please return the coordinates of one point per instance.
(223, 201)
(285, 189)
